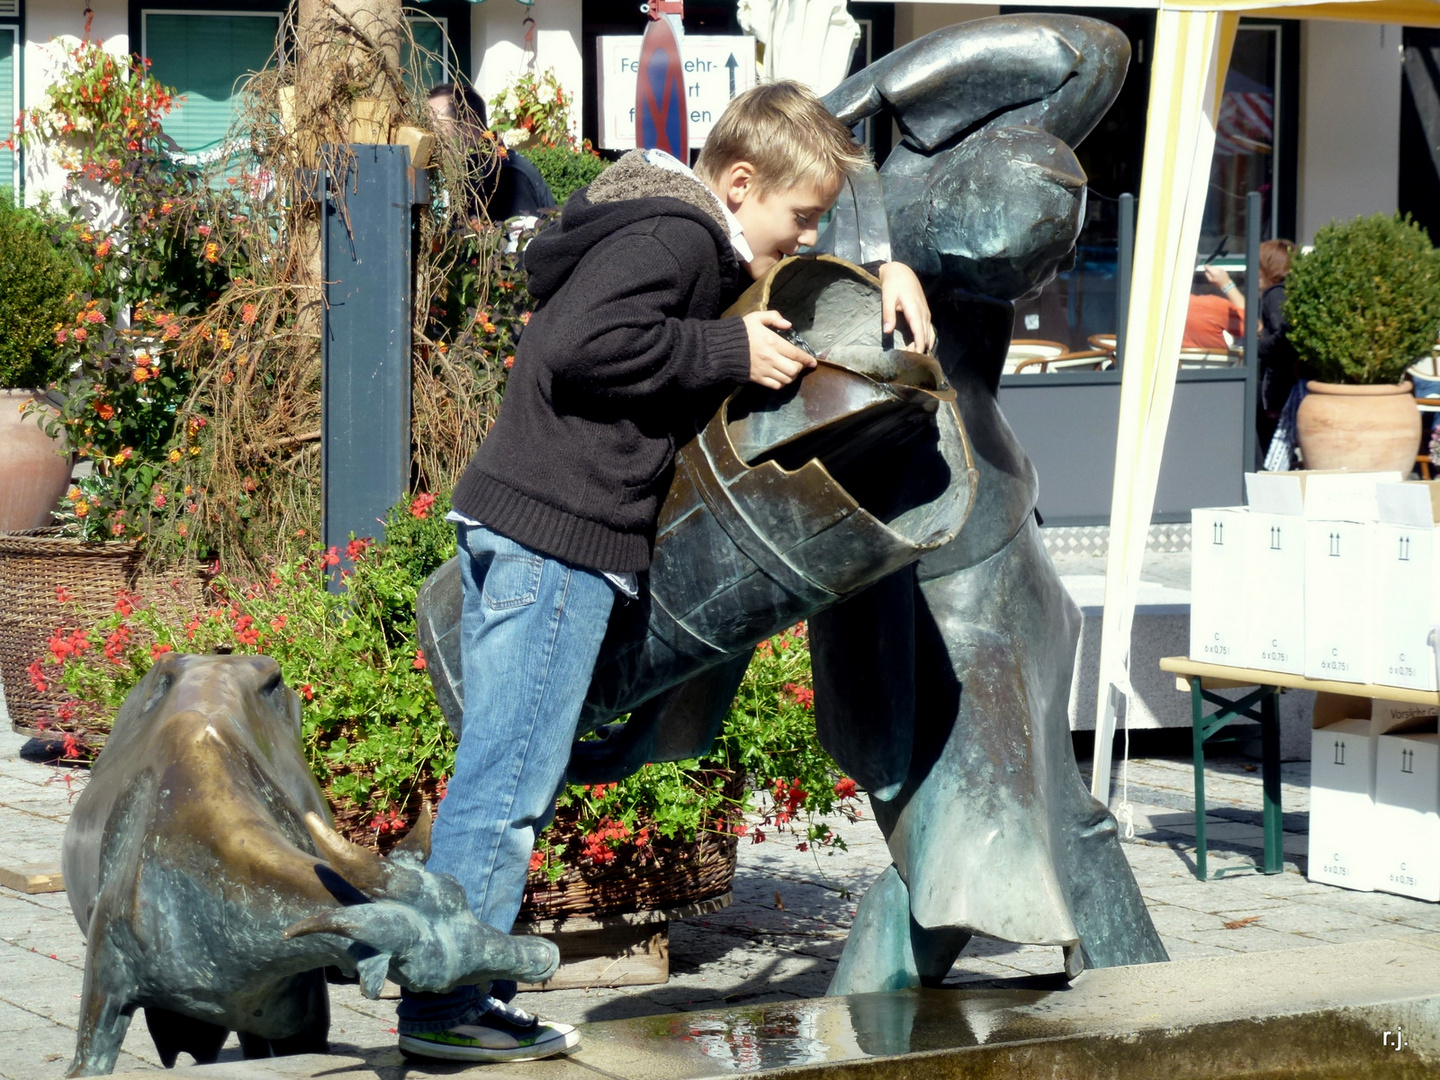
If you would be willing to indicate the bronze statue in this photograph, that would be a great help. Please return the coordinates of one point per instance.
(943, 671)
(212, 891)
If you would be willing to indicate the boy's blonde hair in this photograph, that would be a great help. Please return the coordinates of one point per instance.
(783, 130)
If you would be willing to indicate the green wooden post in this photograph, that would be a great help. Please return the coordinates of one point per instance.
(1270, 776)
(1197, 734)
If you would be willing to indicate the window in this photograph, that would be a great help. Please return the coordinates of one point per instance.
(436, 62)
(1246, 143)
(205, 56)
(9, 97)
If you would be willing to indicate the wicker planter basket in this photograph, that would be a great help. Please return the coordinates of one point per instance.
(33, 565)
(676, 874)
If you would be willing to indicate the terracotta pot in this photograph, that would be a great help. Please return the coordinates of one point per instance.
(1363, 428)
(33, 476)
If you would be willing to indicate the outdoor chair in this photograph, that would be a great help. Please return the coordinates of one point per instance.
(1082, 359)
(1026, 349)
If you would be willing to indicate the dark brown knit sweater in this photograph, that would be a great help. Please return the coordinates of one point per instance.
(620, 360)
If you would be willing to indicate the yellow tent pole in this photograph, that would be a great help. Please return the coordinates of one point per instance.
(1404, 12)
(1192, 52)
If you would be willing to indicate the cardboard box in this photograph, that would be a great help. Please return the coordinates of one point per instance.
(1340, 495)
(1407, 814)
(1274, 572)
(1337, 601)
(1406, 594)
(1217, 585)
(1342, 805)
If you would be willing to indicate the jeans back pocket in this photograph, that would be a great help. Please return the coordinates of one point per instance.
(512, 581)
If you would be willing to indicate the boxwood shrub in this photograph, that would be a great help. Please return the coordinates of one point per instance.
(1364, 303)
(37, 289)
(564, 169)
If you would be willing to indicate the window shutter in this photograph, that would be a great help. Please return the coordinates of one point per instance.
(206, 58)
(7, 104)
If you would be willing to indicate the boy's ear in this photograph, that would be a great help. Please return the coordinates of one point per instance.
(738, 181)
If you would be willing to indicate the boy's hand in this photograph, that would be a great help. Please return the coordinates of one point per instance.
(900, 290)
(774, 362)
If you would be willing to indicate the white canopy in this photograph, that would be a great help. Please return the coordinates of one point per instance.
(1193, 42)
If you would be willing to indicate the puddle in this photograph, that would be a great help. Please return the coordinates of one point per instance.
(1023, 1035)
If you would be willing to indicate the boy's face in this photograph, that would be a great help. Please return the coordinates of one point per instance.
(777, 223)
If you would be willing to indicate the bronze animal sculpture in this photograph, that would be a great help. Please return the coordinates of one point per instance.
(212, 891)
(942, 687)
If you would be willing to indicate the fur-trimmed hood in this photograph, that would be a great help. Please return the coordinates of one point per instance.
(630, 191)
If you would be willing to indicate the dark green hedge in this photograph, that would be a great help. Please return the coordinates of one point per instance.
(565, 170)
(37, 284)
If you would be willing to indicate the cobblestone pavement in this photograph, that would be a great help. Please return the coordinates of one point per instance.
(783, 933)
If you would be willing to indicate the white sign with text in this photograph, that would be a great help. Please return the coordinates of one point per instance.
(716, 69)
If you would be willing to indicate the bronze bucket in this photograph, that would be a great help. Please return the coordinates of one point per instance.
(785, 503)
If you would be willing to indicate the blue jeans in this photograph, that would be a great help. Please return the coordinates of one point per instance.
(531, 628)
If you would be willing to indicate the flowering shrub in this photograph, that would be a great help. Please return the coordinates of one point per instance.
(120, 398)
(373, 730)
(534, 109)
(99, 114)
(118, 407)
(484, 307)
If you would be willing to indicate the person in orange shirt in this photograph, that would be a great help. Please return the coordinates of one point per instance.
(1215, 318)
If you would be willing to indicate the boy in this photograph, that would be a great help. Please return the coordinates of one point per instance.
(556, 513)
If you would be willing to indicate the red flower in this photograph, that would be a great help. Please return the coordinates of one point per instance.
(420, 505)
(158, 650)
(307, 692)
(331, 556)
(802, 695)
(62, 594)
(116, 643)
(442, 787)
(278, 623)
(37, 676)
(72, 746)
(845, 788)
(419, 662)
(391, 821)
(245, 634)
(537, 860)
(355, 549)
(125, 602)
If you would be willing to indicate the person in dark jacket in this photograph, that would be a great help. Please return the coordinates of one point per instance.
(1279, 365)
(556, 513)
(510, 186)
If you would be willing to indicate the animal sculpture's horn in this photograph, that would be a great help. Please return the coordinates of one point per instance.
(328, 922)
(417, 840)
(357, 865)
